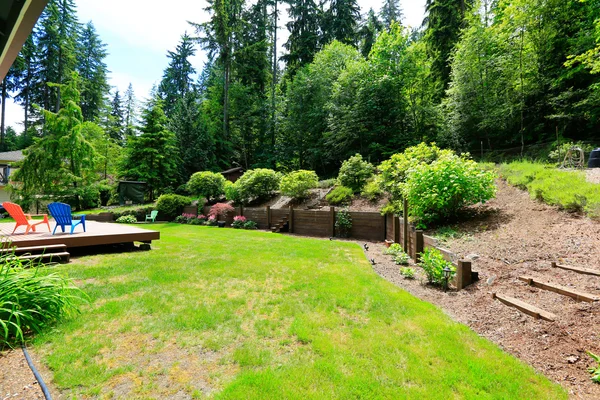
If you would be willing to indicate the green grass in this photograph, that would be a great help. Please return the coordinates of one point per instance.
(236, 314)
(120, 209)
(568, 190)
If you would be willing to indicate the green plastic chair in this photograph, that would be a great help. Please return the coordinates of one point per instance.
(152, 216)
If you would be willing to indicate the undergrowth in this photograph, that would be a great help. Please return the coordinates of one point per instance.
(568, 190)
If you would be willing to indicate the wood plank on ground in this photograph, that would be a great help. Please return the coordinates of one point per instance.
(565, 291)
(525, 307)
(62, 257)
(32, 249)
(580, 270)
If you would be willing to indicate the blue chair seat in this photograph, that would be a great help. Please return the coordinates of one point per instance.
(63, 217)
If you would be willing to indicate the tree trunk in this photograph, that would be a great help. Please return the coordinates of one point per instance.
(273, 86)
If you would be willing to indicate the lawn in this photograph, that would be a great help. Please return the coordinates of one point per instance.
(243, 314)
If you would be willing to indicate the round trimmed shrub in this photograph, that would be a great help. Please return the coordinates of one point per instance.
(339, 195)
(439, 190)
(231, 192)
(355, 172)
(298, 183)
(207, 184)
(127, 219)
(172, 205)
(258, 183)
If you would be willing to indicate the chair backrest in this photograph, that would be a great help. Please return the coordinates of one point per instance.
(61, 213)
(15, 211)
(153, 214)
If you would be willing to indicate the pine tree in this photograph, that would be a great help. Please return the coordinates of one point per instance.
(390, 12)
(91, 53)
(28, 83)
(152, 157)
(368, 33)
(116, 119)
(443, 22)
(130, 111)
(177, 77)
(303, 41)
(341, 21)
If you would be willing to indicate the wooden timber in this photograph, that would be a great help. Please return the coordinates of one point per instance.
(579, 270)
(528, 309)
(565, 291)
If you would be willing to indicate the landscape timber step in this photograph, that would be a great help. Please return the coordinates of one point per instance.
(62, 257)
(580, 270)
(528, 309)
(33, 249)
(565, 291)
(279, 225)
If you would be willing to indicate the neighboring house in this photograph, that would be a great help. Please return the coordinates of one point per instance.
(7, 159)
(17, 19)
(233, 174)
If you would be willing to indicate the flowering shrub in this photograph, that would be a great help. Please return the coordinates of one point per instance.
(211, 221)
(127, 219)
(238, 222)
(220, 210)
(184, 218)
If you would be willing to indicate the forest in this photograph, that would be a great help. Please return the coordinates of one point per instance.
(493, 78)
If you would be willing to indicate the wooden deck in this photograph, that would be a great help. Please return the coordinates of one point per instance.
(98, 233)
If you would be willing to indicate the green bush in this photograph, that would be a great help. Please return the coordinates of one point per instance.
(258, 183)
(231, 192)
(569, 190)
(339, 195)
(439, 190)
(343, 223)
(127, 219)
(326, 184)
(171, 205)
(250, 225)
(138, 212)
(355, 172)
(559, 152)
(433, 263)
(297, 184)
(394, 249)
(395, 170)
(408, 273)
(206, 184)
(372, 190)
(398, 255)
(31, 301)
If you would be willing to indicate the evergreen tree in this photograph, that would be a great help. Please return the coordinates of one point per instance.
(91, 53)
(28, 82)
(444, 20)
(177, 77)
(130, 111)
(341, 21)
(116, 120)
(390, 12)
(152, 156)
(304, 38)
(368, 33)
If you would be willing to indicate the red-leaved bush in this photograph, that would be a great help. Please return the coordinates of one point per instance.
(220, 210)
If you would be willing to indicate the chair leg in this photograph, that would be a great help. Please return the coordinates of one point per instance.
(54, 231)
(14, 230)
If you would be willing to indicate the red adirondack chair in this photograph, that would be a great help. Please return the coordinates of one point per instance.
(16, 212)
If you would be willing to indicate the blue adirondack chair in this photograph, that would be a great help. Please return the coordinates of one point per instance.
(63, 217)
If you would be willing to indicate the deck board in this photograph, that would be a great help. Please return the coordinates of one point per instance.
(98, 233)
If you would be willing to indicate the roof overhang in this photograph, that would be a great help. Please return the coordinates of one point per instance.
(17, 19)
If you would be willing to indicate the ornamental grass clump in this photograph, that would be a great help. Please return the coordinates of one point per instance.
(31, 299)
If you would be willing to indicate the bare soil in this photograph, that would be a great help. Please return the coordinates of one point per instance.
(316, 201)
(593, 175)
(514, 236)
(16, 379)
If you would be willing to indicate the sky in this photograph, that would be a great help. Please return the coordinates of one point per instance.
(138, 34)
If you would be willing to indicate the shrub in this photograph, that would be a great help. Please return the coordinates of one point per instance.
(211, 220)
(250, 225)
(339, 195)
(209, 185)
(231, 192)
(185, 218)
(401, 258)
(238, 222)
(595, 371)
(258, 183)
(138, 212)
(433, 263)
(297, 184)
(394, 249)
(343, 223)
(171, 205)
(31, 301)
(439, 190)
(398, 255)
(127, 219)
(220, 210)
(372, 190)
(408, 273)
(355, 172)
(326, 184)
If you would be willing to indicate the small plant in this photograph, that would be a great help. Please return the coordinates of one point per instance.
(433, 263)
(211, 221)
(238, 222)
(250, 225)
(397, 253)
(401, 258)
(297, 184)
(595, 371)
(127, 219)
(206, 184)
(355, 172)
(394, 249)
(220, 210)
(343, 223)
(339, 195)
(372, 190)
(408, 273)
(31, 301)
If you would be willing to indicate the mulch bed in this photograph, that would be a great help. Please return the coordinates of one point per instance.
(515, 236)
(17, 380)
